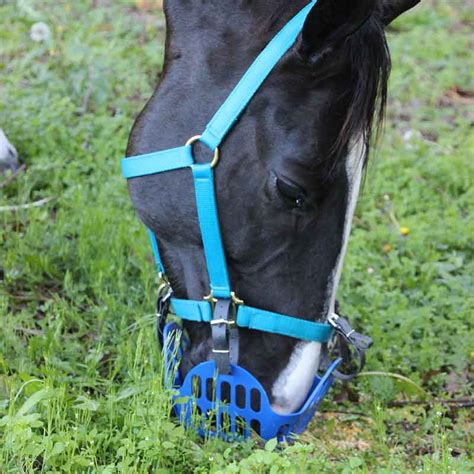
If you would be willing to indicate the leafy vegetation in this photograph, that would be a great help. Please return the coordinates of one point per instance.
(79, 368)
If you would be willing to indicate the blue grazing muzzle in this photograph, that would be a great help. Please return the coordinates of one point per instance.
(234, 405)
(222, 309)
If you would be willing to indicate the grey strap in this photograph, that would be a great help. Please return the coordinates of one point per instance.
(220, 324)
(347, 337)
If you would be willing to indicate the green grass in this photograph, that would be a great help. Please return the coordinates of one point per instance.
(79, 367)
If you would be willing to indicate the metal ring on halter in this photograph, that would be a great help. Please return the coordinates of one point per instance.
(215, 158)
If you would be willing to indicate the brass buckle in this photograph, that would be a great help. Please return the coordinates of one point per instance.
(210, 298)
(235, 299)
(215, 158)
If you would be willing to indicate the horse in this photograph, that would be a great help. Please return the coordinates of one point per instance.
(8, 154)
(290, 170)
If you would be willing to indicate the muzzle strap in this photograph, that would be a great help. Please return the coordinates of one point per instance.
(220, 326)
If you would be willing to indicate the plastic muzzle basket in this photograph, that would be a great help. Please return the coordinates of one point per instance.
(232, 406)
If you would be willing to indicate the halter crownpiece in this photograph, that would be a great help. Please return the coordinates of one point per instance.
(220, 397)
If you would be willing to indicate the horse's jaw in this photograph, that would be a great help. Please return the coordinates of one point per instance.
(294, 382)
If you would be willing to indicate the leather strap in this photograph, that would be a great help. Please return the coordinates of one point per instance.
(234, 345)
(220, 340)
(223, 335)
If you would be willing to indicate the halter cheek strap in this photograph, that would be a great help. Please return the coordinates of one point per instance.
(211, 231)
(251, 81)
(221, 308)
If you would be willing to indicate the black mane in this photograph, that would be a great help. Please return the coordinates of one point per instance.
(370, 66)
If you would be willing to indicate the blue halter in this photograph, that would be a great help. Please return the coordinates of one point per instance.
(222, 309)
(182, 157)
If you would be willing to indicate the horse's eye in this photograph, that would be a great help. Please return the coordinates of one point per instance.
(291, 192)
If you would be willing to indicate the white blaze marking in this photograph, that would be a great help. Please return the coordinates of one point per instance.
(354, 166)
(292, 385)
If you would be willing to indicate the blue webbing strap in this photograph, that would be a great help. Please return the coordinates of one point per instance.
(191, 310)
(157, 162)
(261, 320)
(156, 252)
(258, 319)
(251, 81)
(206, 208)
(210, 230)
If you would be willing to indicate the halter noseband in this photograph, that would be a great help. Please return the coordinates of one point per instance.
(222, 309)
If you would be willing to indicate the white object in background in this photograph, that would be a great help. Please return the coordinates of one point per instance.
(8, 154)
(40, 32)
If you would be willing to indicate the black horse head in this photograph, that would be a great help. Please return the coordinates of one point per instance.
(289, 174)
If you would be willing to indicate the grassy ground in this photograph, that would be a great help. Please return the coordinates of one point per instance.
(79, 367)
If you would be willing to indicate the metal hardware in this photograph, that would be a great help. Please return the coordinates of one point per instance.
(229, 322)
(221, 351)
(210, 298)
(215, 158)
(348, 337)
(343, 327)
(162, 307)
(165, 295)
(332, 320)
(235, 299)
